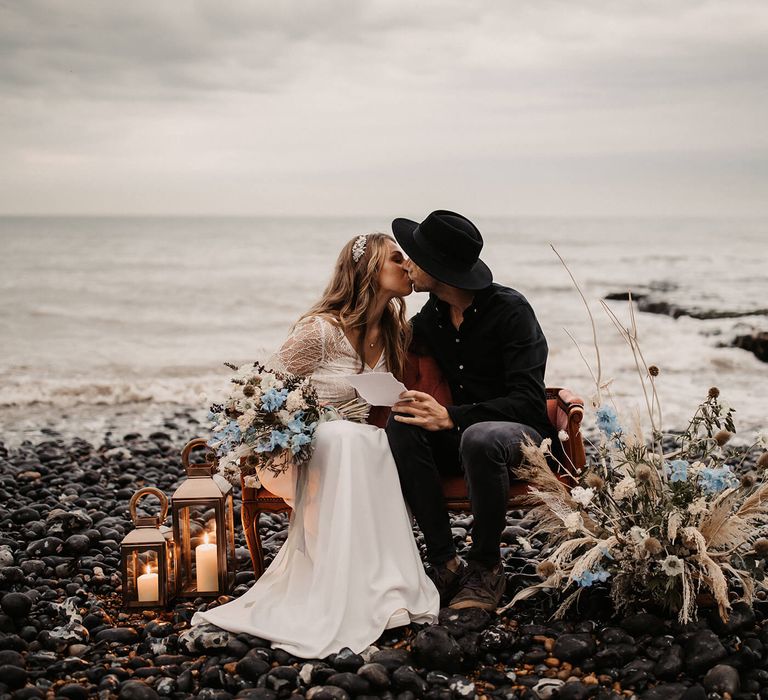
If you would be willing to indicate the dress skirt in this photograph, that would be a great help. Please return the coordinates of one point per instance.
(349, 568)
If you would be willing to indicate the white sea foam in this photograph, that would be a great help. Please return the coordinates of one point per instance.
(139, 314)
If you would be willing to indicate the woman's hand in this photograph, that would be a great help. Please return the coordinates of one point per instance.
(423, 410)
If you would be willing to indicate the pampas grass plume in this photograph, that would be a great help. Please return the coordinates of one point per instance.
(546, 568)
(652, 546)
(761, 547)
(722, 436)
(643, 474)
(594, 481)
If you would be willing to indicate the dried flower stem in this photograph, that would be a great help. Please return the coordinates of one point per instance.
(591, 320)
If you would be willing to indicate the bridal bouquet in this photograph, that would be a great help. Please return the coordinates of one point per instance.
(268, 421)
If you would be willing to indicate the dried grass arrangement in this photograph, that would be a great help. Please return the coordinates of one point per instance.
(659, 526)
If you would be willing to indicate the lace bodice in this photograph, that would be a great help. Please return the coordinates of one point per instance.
(318, 348)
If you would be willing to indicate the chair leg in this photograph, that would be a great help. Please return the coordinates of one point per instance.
(249, 514)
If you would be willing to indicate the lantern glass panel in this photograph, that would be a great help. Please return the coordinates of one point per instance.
(230, 517)
(198, 538)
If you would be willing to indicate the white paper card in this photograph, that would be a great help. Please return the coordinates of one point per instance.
(377, 388)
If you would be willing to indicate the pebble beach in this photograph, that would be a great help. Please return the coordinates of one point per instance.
(63, 633)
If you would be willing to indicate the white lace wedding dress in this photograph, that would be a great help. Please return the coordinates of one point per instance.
(352, 569)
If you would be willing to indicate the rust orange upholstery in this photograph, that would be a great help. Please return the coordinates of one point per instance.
(564, 408)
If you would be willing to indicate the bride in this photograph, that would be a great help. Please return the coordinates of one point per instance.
(349, 568)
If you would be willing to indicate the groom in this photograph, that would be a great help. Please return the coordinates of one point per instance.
(492, 352)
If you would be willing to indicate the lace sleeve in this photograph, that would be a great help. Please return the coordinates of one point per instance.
(303, 350)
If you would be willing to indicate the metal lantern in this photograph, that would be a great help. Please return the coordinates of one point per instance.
(203, 528)
(148, 557)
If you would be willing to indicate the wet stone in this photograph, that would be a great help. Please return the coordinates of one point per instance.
(252, 667)
(722, 679)
(353, 683)
(703, 651)
(670, 664)
(73, 691)
(347, 660)
(391, 659)
(435, 648)
(16, 605)
(13, 676)
(405, 678)
(119, 635)
(574, 647)
(375, 674)
(327, 692)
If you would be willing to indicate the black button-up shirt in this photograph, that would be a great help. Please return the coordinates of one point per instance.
(494, 363)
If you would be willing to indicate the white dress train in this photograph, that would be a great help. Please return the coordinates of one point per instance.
(355, 571)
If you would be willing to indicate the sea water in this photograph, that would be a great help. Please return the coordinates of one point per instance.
(113, 322)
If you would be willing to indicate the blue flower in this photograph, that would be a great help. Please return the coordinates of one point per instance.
(676, 470)
(276, 439)
(228, 438)
(273, 399)
(588, 577)
(297, 423)
(607, 421)
(298, 441)
(716, 479)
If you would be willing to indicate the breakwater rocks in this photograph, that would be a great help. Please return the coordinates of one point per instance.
(64, 510)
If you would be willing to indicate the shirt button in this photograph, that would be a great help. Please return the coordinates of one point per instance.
(461, 366)
(457, 340)
(461, 386)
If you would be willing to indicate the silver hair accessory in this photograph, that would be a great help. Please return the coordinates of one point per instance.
(358, 249)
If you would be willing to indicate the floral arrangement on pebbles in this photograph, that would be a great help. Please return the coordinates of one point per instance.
(268, 421)
(663, 520)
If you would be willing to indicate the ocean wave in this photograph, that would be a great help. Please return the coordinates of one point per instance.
(71, 393)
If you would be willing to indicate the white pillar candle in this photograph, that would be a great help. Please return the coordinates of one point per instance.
(148, 586)
(207, 565)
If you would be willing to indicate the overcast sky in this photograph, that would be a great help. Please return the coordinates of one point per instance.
(500, 107)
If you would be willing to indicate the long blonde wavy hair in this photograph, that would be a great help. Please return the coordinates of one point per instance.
(351, 292)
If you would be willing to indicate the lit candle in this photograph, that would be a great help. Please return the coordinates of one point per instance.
(207, 566)
(148, 585)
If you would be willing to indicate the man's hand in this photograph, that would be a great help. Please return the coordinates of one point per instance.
(421, 409)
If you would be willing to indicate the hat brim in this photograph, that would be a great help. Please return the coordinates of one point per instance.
(479, 276)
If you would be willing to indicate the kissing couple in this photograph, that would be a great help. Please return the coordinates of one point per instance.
(350, 567)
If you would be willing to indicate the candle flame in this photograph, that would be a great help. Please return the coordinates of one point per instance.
(148, 569)
(205, 538)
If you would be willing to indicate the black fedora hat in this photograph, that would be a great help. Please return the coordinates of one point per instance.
(447, 246)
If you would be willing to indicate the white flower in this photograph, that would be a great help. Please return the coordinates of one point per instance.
(284, 416)
(295, 401)
(244, 372)
(244, 421)
(625, 488)
(672, 566)
(563, 436)
(637, 534)
(573, 522)
(582, 496)
(546, 446)
(698, 506)
(270, 381)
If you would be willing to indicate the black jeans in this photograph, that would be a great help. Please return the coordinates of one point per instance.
(485, 452)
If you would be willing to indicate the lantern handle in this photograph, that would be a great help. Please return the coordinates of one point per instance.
(191, 445)
(149, 491)
(198, 470)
